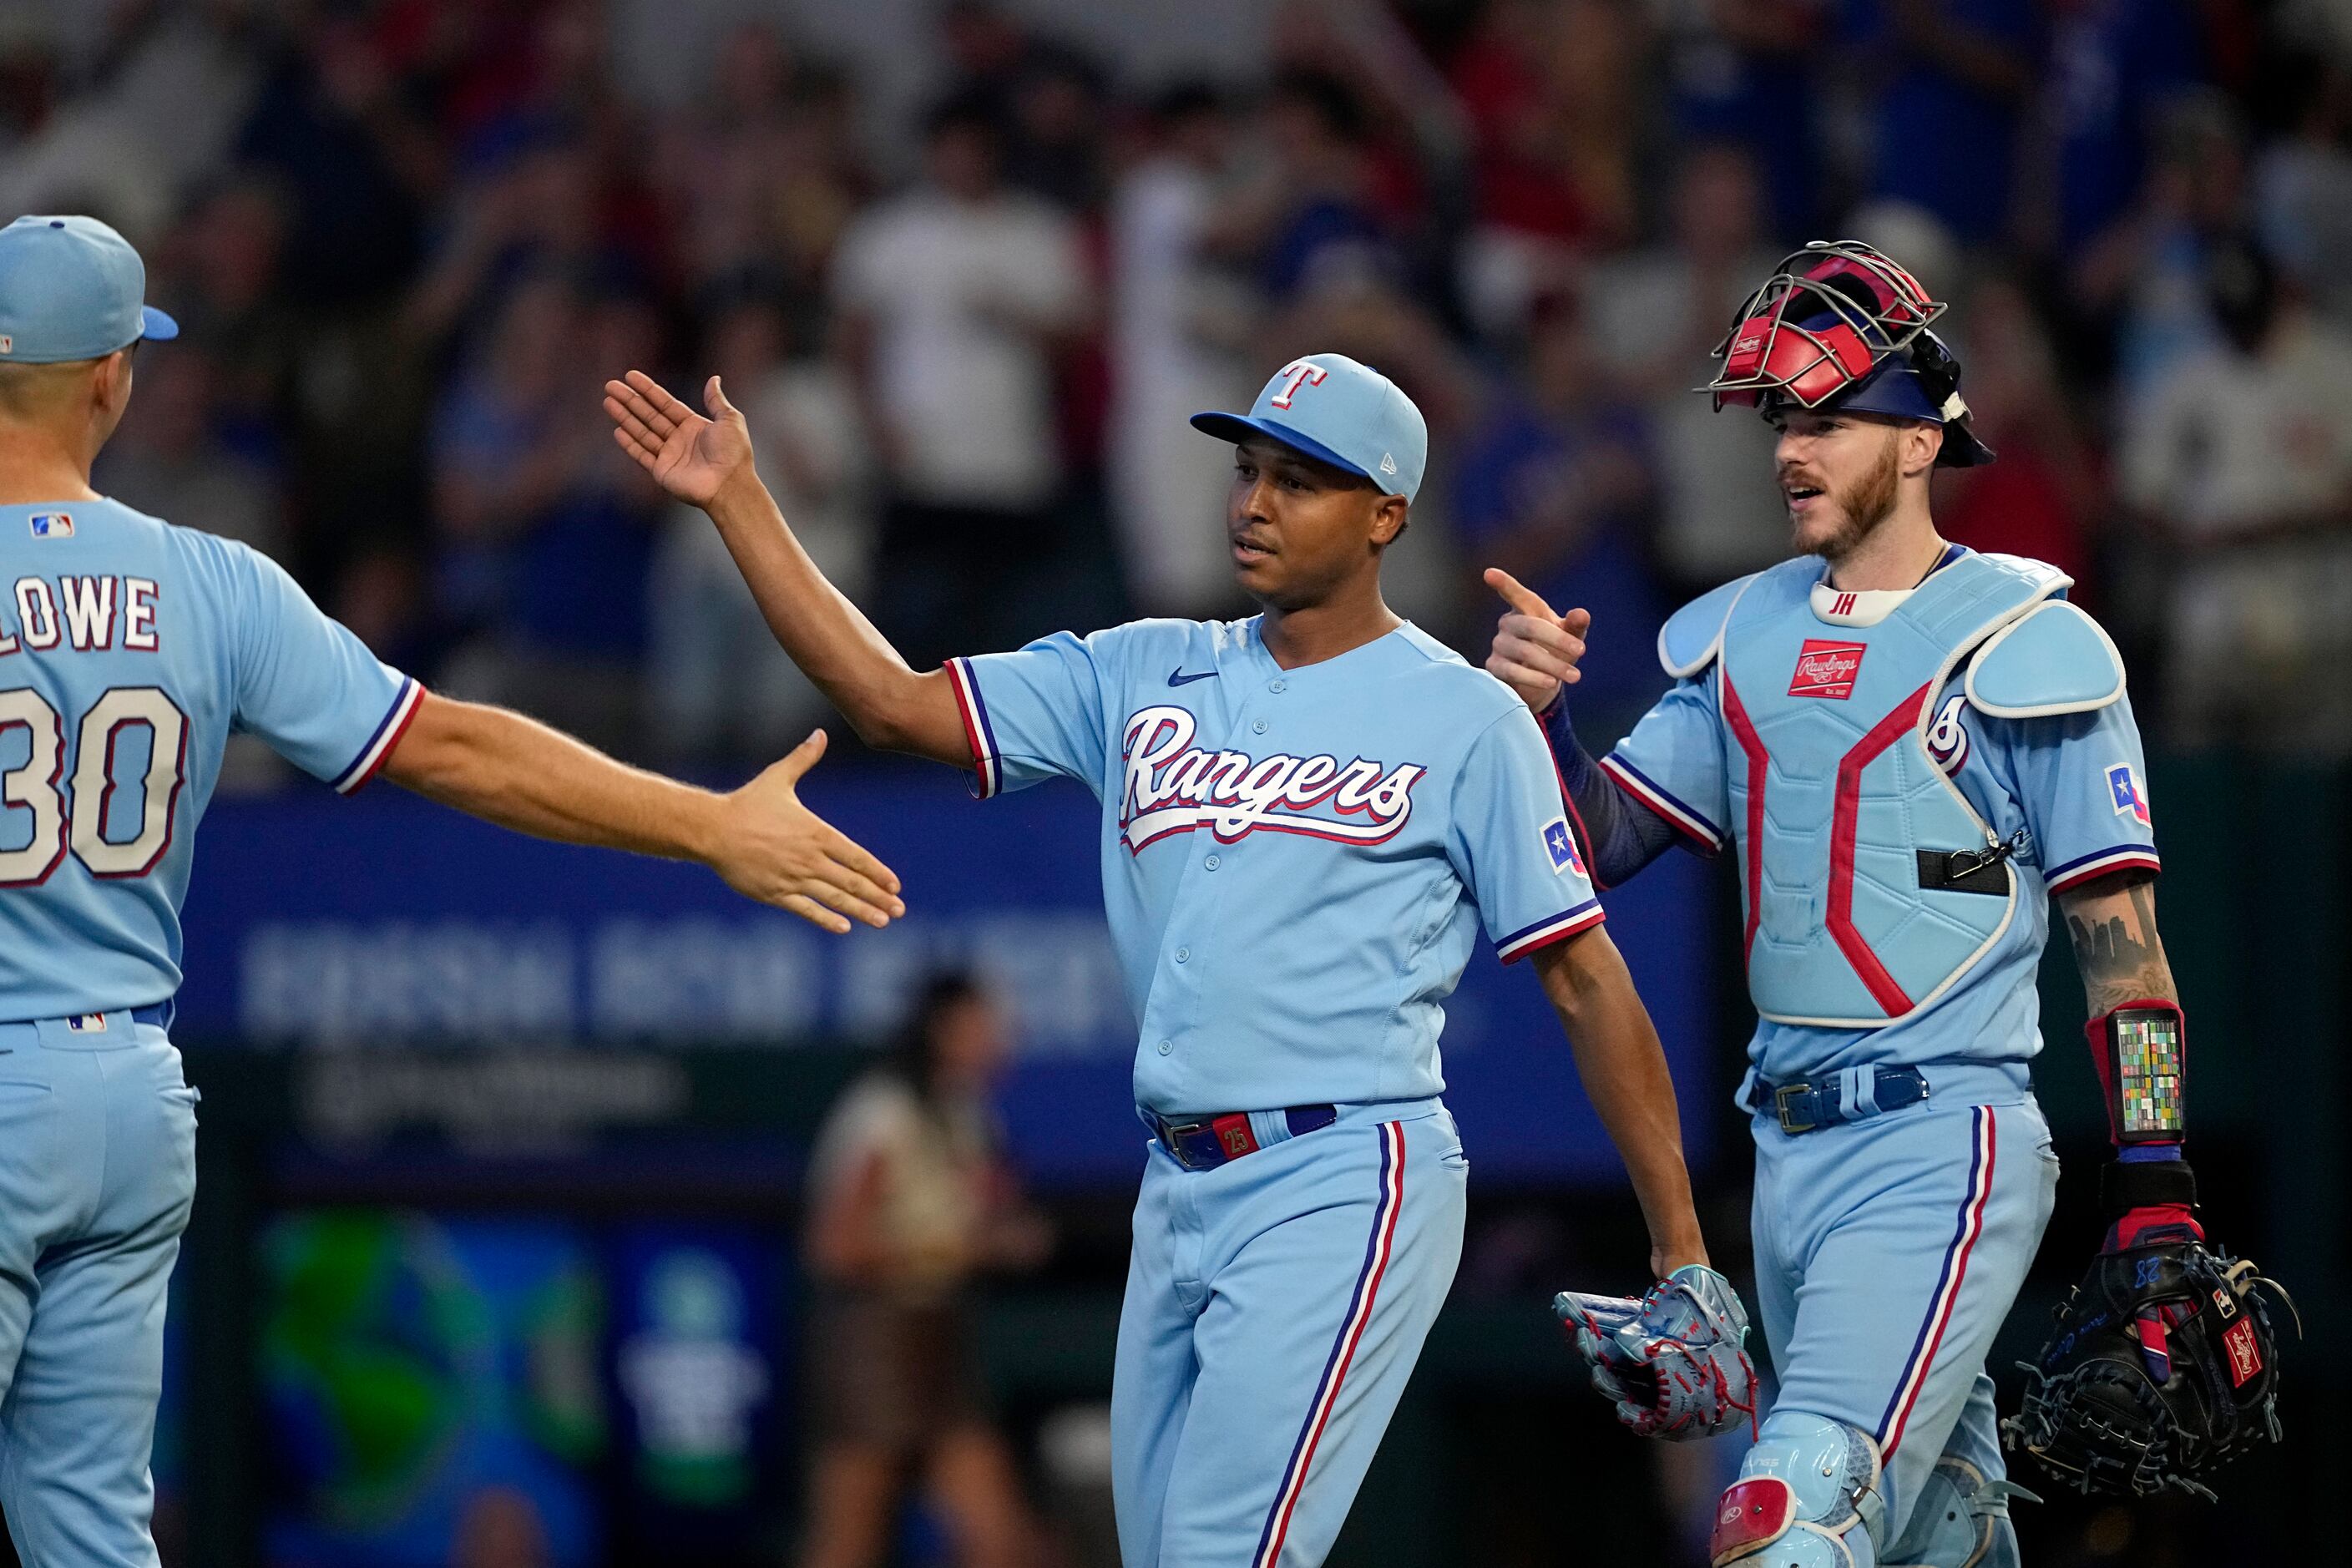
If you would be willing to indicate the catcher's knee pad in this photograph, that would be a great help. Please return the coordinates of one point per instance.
(1961, 1520)
(1802, 1488)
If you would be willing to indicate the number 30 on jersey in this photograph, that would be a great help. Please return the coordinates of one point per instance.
(34, 786)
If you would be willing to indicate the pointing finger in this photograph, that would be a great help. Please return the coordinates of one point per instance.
(1518, 594)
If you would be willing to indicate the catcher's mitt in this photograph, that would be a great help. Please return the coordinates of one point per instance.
(2164, 1367)
(1673, 1361)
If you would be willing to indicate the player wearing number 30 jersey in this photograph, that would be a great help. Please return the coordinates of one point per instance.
(1306, 817)
(129, 651)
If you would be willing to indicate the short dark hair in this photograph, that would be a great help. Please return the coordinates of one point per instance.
(917, 1052)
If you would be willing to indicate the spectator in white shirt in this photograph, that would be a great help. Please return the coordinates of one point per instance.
(1173, 319)
(955, 299)
(2242, 459)
(721, 686)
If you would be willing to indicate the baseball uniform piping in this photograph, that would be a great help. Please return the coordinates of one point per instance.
(1982, 1137)
(1377, 1252)
(380, 745)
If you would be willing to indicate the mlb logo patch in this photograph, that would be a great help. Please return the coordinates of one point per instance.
(88, 1024)
(1560, 843)
(52, 525)
(2123, 789)
(1827, 668)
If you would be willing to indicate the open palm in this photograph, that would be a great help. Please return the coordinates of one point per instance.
(689, 455)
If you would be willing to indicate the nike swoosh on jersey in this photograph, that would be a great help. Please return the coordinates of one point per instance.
(1177, 677)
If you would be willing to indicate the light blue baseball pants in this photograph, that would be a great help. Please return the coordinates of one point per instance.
(1275, 1309)
(98, 1169)
(1888, 1251)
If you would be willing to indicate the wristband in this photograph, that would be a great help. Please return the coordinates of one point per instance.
(2140, 1050)
(2156, 1184)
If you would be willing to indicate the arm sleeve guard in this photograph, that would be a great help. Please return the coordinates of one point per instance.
(1621, 835)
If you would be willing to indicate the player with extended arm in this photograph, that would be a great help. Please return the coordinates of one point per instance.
(129, 650)
(1911, 747)
(1308, 813)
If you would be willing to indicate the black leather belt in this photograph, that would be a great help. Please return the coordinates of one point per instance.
(1201, 1142)
(1810, 1106)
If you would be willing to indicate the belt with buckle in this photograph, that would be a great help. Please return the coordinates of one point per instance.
(1810, 1106)
(1203, 1142)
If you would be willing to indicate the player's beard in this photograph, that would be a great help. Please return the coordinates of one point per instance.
(1861, 507)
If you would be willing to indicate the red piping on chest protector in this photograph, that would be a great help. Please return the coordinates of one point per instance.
(1759, 764)
(1891, 997)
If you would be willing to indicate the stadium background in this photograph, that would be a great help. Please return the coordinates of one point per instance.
(493, 1263)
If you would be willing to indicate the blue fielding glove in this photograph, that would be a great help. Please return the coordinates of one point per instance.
(1674, 1362)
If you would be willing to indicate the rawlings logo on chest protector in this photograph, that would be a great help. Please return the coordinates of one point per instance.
(1174, 786)
(1827, 668)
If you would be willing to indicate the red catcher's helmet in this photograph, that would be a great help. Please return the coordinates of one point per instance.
(1840, 324)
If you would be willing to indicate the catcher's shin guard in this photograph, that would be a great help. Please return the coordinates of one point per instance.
(1802, 1488)
(1961, 1520)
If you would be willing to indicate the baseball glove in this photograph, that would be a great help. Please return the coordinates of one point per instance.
(1671, 1362)
(2164, 1367)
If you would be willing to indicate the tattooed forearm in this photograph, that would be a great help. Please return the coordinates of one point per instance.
(2115, 944)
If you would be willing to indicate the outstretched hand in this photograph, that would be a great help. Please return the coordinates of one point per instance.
(776, 849)
(1536, 650)
(689, 455)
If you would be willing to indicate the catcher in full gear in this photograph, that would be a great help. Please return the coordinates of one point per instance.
(1909, 751)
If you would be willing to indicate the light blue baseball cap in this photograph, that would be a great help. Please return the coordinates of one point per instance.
(72, 288)
(1345, 414)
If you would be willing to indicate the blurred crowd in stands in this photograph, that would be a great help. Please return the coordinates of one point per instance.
(410, 238)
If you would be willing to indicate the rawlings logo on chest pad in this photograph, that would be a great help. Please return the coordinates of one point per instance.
(1827, 668)
(1174, 786)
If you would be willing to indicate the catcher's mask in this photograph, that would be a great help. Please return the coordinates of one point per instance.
(1840, 326)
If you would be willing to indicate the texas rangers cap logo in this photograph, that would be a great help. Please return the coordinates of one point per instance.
(2124, 791)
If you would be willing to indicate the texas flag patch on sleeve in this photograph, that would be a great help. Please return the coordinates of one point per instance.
(1562, 845)
(2124, 791)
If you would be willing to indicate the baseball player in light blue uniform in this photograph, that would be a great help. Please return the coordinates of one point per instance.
(129, 650)
(1909, 749)
(1307, 817)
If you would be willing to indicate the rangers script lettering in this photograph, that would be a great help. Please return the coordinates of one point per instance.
(1174, 786)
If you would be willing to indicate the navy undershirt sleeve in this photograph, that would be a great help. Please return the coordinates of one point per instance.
(1621, 835)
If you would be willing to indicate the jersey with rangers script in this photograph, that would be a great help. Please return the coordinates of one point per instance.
(129, 651)
(1295, 861)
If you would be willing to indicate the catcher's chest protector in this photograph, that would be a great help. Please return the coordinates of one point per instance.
(1838, 807)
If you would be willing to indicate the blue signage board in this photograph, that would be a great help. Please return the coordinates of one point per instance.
(321, 922)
